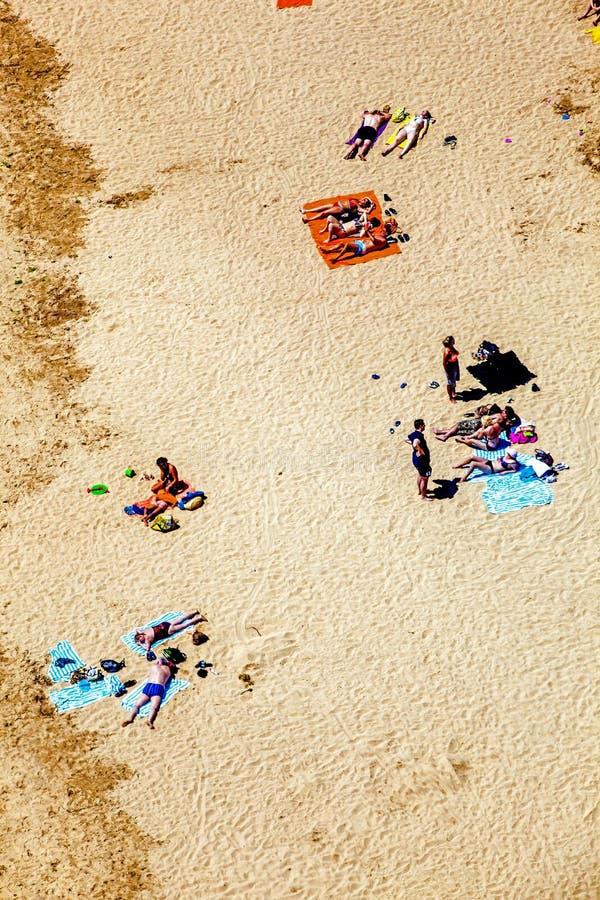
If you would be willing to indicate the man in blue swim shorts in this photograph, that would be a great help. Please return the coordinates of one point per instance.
(153, 691)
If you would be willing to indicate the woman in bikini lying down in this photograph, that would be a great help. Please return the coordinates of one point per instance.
(374, 238)
(357, 226)
(509, 463)
(342, 210)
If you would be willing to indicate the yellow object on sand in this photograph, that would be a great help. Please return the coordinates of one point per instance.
(594, 33)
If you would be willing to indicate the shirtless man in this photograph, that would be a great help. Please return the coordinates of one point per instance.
(145, 637)
(374, 238)
(414, 130)
(593, 7)
(509, 463)
(153, 692)
(367, 133)
(169, 478)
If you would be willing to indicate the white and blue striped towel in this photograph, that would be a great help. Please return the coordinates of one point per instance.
(513, 492)
(175, 685)
(75, 697)
(63, 650)
(498, 453)
(129, 639)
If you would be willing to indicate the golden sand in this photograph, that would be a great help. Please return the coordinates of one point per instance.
(421, 719)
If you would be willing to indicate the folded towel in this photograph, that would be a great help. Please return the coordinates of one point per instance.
(63, 650)
(512, 492)
(75, 697)
(129, 639)
(175, 685)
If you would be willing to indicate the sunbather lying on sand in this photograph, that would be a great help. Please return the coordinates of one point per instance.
(367, 133)
(342, 210)
(145, 637)
(374, 239)
(593, 7)
(467, 427)
(357, 226)
(414, 130)
(153, 692)
(487, 438)
(509, 463)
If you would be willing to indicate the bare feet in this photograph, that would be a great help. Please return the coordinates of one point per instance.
(431, 499)
(462, 479)
(440, 437)
(458, 467)
(126, 723)
(150, 726)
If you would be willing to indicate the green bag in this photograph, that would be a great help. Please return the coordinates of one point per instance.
(165, 522)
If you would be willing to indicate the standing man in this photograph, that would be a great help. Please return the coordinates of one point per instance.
(451, 366)
(420, 457)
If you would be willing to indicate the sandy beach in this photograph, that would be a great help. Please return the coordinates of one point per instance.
(423, 715)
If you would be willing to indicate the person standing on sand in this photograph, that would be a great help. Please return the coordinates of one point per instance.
(153, 691)
(451, 367)
(420, 457)
(368, 132)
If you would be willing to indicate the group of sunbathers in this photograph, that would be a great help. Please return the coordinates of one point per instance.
(161, 670)
(349, 217)
(373, 124)
(484, 431)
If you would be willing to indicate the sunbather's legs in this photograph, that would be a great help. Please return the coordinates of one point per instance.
(410, 143)
(154, 510)
(353, 150)
(442, 435)
(473, 442)
(155, 704)
(141, 701)
(364, 149)
(183, 622)
(401, 136)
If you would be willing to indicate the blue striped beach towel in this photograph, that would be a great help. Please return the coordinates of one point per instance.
(501, 449)
(175, 685)
(504, 493)
(128, 639)
(511, 492)
(63, 650)
(75, 697)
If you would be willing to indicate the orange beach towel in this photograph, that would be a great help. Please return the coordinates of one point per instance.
(287, 4)
(319, 239)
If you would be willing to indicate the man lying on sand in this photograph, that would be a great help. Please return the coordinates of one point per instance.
(367, 133)
(375, 238)
(414, 130)
(509, 463)
(153, 692)
(145, 637)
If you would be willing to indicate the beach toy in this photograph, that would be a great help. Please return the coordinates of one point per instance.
(508, 140)
(98, 489)
(375, 377)
(402, 385)
(129, 473)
